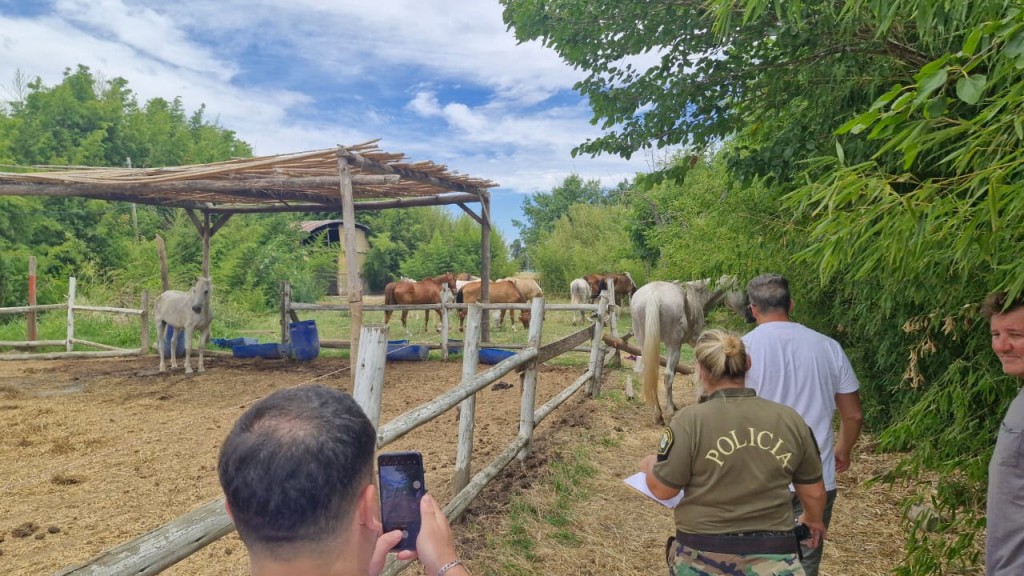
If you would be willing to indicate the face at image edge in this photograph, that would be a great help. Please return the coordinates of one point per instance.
(1008, 341)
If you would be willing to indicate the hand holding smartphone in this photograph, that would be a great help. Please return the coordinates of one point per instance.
(401, 481)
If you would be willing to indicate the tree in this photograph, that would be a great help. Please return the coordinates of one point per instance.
(781, 74)
(543, 209)
(588, 239)
(888, 136)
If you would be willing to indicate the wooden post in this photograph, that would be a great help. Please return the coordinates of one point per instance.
(616, 360)
(444, 327)
(596, 358)
(30, 318)
(206, 245)
(354, 284)
(144, 328)
(70, 343)
(369, 369)
(286, 304)
(470, 363)
(485, 260)
(529, 399)
(161, 252)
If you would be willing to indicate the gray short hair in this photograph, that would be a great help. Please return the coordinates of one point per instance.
(769, 292)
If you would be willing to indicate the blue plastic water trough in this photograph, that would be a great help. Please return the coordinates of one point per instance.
(401, 350)
(494, 355)
(232, 342)
(272, 351)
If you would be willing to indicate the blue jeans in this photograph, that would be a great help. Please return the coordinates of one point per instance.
(812, 556)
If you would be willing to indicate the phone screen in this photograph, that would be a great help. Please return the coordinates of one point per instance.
(401, 487)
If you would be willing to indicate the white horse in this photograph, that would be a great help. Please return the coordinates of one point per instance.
(674, 313)
(579, 293)
(188, 312)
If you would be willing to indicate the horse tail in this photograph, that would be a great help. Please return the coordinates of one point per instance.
(458, 295)
(650, 352)
(632, 284)
(389, 293)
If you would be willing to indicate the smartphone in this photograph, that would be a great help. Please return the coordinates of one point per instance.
(400, 476)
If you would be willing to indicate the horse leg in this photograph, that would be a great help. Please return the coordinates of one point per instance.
(426, 320)
(188, 349)
(387, 316)
(161, 339)
(203, 337)
(405, 319)
(670, 374)
(176, 334)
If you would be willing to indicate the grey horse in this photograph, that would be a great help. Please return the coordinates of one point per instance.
(188, 312)
(673, 313)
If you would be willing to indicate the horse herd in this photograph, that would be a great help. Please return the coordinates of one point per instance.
(669, 313)
(463, 288)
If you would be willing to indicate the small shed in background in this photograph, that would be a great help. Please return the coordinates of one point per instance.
(332, 232)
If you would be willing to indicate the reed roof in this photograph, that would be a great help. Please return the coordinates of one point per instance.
(305, 181)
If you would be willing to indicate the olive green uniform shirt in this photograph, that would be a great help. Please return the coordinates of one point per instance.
(734, 455)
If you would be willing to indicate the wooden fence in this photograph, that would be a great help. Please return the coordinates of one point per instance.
(289, 312)
(172, 542)
(69, 342)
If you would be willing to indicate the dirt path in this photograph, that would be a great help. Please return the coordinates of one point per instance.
(96, 452)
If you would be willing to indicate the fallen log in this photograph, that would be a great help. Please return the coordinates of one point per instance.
(618, 343)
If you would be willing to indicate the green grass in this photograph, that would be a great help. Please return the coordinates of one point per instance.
(564, 484)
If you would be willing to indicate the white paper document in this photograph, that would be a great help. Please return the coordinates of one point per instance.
(638, 482)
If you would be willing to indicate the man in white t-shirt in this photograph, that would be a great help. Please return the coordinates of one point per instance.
(809, 372)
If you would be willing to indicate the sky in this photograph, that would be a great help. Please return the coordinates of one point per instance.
(438, 80)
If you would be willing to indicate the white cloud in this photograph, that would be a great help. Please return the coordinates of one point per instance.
(440, 80)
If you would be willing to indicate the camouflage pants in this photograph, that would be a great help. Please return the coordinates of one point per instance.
(685, 561)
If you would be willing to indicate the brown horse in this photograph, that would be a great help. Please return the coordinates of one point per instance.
(529, 289)
(426, 291)
(503, 292)
(594, 281)
(624, 285)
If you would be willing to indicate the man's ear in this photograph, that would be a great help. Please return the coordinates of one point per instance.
(368, 508)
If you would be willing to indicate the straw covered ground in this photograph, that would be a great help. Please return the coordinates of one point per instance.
(96, 452)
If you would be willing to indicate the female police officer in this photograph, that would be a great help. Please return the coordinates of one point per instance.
(734, 455)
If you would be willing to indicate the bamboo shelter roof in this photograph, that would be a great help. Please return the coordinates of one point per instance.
(305, 181)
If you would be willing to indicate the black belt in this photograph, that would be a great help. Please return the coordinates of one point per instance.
(749, 543)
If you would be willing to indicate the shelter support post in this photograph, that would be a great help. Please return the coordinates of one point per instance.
(485, 259)
(528, 401)
(286, 306)
(470, 363)
(354, 287)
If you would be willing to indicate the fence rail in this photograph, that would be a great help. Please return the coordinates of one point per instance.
(70, 341)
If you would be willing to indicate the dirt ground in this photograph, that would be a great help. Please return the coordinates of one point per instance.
(96, 452)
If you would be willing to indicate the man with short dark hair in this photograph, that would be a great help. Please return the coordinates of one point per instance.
(298, 476)
(809, 372)
(1004, 538)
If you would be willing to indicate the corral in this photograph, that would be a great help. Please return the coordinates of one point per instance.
(106, 449)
